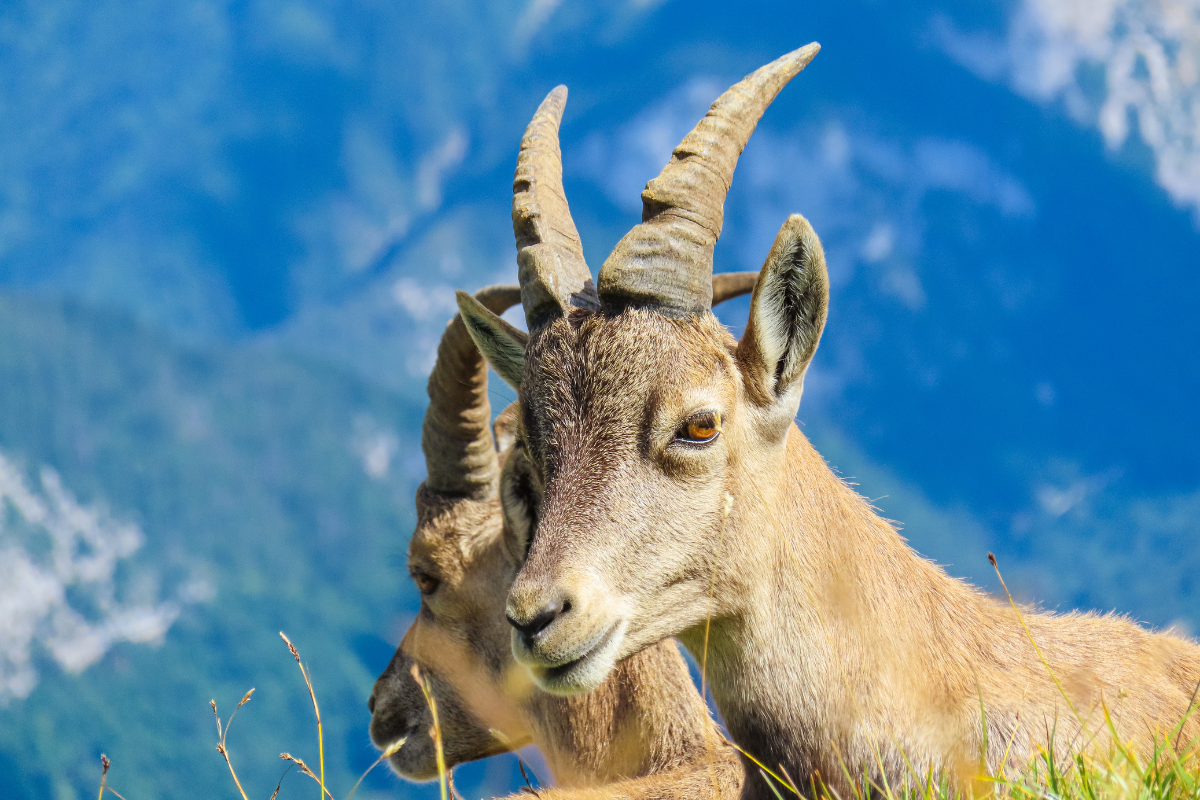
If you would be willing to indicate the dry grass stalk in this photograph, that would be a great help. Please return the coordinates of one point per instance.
(222, 733)
(1036, 649)
(435, 733)
(388, 753)
(104, 764)
(104, 787)
(313, 696)
(305, 770)
(275, 793)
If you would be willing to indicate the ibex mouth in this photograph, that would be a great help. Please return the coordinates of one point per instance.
(388, 732)
(399, 754)
(586, 671)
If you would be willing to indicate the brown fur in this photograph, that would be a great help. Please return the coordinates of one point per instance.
(833, 645)
(644, 733)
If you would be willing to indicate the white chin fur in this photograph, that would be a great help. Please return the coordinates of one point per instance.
(588, 673)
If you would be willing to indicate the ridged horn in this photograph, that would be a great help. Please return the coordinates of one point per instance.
(460, 457)
(551, 268)
(728, 285)
(666, 262)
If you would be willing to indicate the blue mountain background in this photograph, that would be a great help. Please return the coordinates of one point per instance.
(229, 238)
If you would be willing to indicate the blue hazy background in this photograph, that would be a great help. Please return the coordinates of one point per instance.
(229, 238)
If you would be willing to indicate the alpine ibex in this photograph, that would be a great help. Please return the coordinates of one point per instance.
(671, 494)
(645, 730)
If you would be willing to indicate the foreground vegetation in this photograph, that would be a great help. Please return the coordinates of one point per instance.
(1171, 772)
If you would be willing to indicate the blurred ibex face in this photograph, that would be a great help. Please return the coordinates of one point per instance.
(617, 487)
(458, 643)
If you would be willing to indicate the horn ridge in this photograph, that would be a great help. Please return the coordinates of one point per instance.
(666, 261)
(456, 434)
(728, 285)
(553, 273)
(540, 213)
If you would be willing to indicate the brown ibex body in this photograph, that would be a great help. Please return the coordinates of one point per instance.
(645, 733)
(669, 493)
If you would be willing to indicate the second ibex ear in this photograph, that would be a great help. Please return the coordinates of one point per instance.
(787, 315)
(501, 344)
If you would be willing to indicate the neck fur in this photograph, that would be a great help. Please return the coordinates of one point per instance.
(838, 648)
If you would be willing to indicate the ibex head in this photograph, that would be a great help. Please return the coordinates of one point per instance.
(644, 423)
(463, 559)
(463, 568)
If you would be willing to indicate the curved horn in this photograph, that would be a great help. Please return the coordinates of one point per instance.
(460, 457)
(728, 285)
(666, 261)
(551, 268)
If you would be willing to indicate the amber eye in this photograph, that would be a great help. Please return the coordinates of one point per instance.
(700, 428)
(426, 583)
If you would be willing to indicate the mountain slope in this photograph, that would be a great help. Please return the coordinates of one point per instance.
(245, 470)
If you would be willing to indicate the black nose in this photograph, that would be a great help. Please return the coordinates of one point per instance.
(371, 703)
(541, 620)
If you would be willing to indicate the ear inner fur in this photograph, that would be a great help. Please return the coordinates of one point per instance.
(787, 313)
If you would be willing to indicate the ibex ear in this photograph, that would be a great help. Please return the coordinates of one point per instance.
(501, 344)
(787, 315)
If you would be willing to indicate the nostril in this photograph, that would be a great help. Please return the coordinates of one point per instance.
(540, 621)
(371, 703)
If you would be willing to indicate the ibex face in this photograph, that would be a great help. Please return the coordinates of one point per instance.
(631, 510)
(463, 558)
(457, 643)
(463, 567)
(637, 430)
(642, 417)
